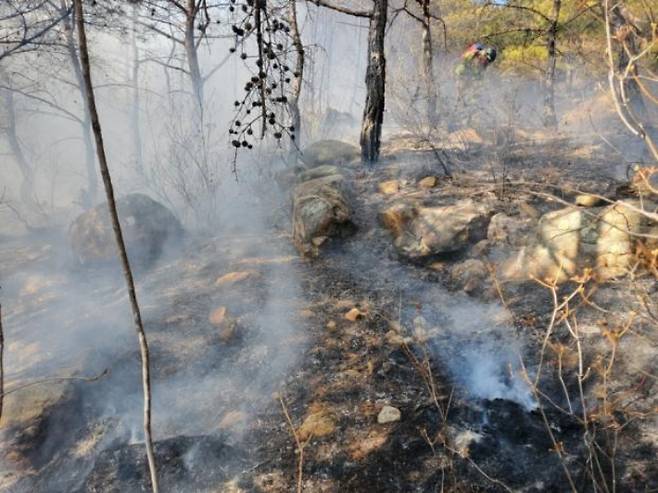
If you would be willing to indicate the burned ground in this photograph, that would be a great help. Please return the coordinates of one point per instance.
(242, 328)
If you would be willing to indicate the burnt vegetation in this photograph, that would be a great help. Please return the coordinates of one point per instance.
(364, 246)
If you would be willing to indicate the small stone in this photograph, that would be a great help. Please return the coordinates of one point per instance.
(354, 314)
(388, 414)
(587, 200)
(217, 316)
(389, 187)
(235, 277)
(331, 325)
(428, 182)
(319, 240)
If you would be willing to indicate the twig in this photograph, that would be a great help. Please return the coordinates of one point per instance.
(49, 380)
(300, 447)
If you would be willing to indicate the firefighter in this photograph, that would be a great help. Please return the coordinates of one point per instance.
(470, 69)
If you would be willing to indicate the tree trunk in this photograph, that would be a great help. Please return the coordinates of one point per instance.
(121, 247)
(89, 196)
(550, 118)
(373, 113)
(428, 67)
(192, 55)
(135, 127)
(293, 104)
(27, 185)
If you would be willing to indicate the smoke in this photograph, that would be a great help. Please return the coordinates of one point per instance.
(486, 360)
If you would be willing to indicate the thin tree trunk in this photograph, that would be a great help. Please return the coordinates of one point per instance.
(192, 55)
(428, 66)
(550, 118)
(297, 81)
(27, 185)
(116, 226)
(89, 197)
(373, 113)
(136, 128)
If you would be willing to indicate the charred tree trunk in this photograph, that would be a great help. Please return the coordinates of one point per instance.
(293, 105)
(192, 55)
(428, 66)
(27, 185)
(135, 127)
(550, 118)
(121, 247)
(373, 113)
(89, 196)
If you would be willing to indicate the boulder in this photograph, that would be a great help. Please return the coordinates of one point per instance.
(318, 172)
(506, 229)
(146, 225)
(421, 231)
(569, 240)
(329, 152)
(320, 210)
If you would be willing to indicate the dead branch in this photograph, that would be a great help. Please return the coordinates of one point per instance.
(300, 447)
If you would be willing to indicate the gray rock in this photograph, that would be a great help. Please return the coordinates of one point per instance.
(320, 210)
(570, 240)
(388, 414)
(424, 231)
(146, 225)
(329, 152)
(510, 230)
(470, 275)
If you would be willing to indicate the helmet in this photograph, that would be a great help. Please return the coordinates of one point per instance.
(490, 53)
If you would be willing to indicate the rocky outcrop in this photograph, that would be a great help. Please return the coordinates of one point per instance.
(570, 240)
(320, 210)
(421, 231)
(147, 227)
(329, 152)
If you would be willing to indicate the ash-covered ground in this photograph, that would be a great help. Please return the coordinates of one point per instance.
(244, 331)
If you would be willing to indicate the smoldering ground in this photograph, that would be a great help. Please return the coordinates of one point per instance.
(210, 376)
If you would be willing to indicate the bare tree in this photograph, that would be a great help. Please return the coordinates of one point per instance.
(89, 196)
(373, 112)
(26, 25)
(425, 18)
(296, 91)
(624, 79)
(9, 128)
(116, 226)
(550, 120)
